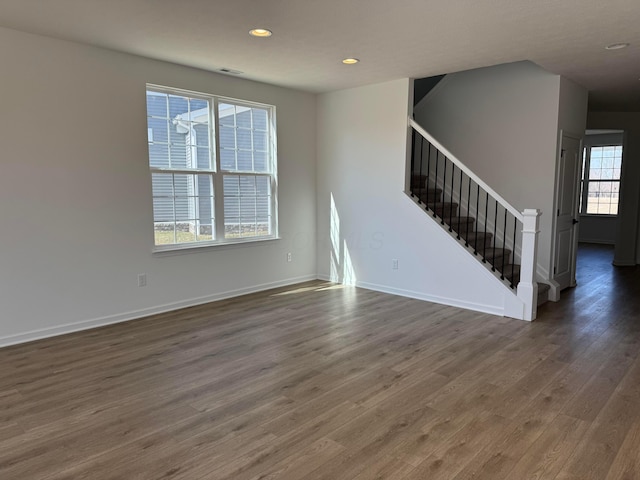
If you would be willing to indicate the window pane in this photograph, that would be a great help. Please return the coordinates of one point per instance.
(603, 198)
(178, 134)
(158, 130)
(159, 155)
(247, 200)
(260, 162)
(260, 141)
(204, 230)
(228, 159)
(197, 105)
(259, 118)
(183, 123)
(164, 233)
(178, 105)
(244, 139)
(200, 135)
(243, 117)
(247, 186)
(245, 160)
(227, 137)
(157, 104)
(227, 114)
(183, 207)
(245, 130)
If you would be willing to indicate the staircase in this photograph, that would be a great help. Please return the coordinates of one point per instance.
(489, 228)
(475, 237)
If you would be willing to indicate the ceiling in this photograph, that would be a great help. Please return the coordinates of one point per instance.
(393, 39)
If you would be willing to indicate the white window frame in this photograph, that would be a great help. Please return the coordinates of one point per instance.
(217, 172)
(585, 180)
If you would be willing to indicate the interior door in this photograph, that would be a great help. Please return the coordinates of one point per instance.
(564, 271)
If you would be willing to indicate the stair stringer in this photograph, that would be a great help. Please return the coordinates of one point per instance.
(506, 302)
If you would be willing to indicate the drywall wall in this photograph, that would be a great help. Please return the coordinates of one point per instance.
(594, 229)
(572, 108)
(502, 122)
(599, 228)
(365, 221)
(627, 250)
(75, 191)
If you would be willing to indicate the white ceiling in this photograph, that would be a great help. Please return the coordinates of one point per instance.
(392, 38)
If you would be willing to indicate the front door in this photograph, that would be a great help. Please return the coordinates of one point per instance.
(564, 271)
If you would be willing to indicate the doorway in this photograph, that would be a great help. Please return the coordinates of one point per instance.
(566, 238)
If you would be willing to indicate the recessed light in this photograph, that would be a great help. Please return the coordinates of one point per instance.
(350, 61)
(260, 32)
(616, 46)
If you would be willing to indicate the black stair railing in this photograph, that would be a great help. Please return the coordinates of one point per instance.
(466, 207)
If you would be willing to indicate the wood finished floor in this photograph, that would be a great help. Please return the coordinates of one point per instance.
(321, 382)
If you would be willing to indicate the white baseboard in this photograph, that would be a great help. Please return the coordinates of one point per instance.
(451, 302)
(145, 312)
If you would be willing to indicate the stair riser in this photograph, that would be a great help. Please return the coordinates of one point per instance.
(462, 228)
(445, 212)
(430, 196)
(479, 242)
(497, 261)
(418, 181)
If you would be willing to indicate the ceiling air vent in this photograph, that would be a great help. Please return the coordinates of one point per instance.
(230, 71)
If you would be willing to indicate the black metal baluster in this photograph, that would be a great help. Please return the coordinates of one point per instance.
(428, 174)
(495, 231)
(484, 239)
(466, 232)
(504, 243)
(475, 244)
(444, 190)
(413, 160)
(515, 227)
(421, 158)
(453, 177)
(435, 180)
(459, 209)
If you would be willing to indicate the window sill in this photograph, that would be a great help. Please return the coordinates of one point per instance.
(599, 215)
(186, 248)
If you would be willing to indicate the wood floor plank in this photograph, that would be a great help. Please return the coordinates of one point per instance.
(627, 462)
(326, 382)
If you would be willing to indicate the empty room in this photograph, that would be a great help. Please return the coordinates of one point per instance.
(319, 240)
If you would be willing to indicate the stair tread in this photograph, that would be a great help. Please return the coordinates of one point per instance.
(480, 234)
(492, 253)
(514, 266)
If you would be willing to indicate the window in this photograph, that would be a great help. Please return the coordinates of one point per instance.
(600, 186)
(213, 169)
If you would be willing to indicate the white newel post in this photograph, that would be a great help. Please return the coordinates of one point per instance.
(528, 288)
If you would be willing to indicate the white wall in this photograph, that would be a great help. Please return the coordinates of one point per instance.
(364, 218)
(627, 250)
(572, 108)
(75, 191)
(503, 122)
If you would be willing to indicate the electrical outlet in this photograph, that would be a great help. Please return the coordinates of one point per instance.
(142, 280)
(288, 256)
(394, 264)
